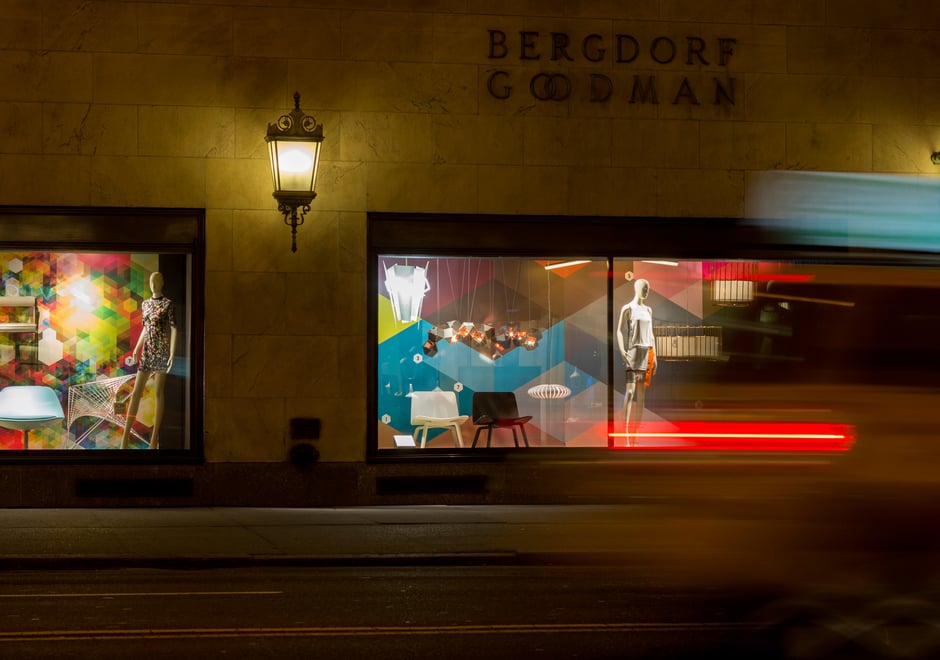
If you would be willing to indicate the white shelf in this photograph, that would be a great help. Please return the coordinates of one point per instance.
(28, 321)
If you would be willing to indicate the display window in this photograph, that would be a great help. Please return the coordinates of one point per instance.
(499, 353)
(477, 352)
(97, 349)
(664, 338)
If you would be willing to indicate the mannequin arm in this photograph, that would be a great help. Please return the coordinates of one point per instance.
(653, 347)
(140, 344)
(621, 323)
(169, 364)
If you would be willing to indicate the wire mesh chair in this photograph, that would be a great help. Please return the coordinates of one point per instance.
(100, 399)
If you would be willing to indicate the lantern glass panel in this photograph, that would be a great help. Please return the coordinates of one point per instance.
(293, 164)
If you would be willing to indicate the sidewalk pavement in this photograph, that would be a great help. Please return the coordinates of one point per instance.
(204, 537)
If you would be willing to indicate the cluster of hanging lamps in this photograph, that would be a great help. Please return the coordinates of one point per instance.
(482, 338)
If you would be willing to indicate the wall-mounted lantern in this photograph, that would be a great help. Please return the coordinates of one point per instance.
(294, 149)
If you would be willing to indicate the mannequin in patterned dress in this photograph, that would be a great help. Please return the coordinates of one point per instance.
(154, 357)
(635, 339)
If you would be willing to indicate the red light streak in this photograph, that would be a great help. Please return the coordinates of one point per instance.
(740, 436)
(780, 277)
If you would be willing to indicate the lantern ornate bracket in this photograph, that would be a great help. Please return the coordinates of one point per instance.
(294, 150)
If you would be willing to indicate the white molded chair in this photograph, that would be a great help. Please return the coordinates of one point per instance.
(27, 407)
(436, 410)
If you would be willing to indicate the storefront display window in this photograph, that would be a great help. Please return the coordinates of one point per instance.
(96, 348)
(482, 353)
(532, 329)
(724, 338)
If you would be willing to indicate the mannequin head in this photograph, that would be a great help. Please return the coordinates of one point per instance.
(156, 284)
(642, 288)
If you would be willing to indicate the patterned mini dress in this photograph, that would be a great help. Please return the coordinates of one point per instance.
(158, 317)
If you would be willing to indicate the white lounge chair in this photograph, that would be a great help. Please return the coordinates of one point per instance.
(27, 407)
(436, 409)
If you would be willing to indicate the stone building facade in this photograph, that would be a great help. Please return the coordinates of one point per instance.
(658, 108)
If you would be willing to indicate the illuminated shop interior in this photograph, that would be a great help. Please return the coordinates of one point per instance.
(730, 337)
(69, 322)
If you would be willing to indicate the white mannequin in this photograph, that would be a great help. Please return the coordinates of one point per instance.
(635, 339)
(154, 354)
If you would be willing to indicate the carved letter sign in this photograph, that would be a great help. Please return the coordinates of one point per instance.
(561, 84)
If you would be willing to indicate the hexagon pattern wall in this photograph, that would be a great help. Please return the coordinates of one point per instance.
(89, 314)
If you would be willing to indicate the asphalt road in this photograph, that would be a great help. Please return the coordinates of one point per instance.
(410, 612)
(826, 577)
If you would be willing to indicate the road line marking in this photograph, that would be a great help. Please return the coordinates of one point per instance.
(355, 631)
(146, 593)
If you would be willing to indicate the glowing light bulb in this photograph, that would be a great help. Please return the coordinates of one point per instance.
(296, 161)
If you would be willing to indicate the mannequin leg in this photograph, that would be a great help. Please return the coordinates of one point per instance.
(633, 404)
(640, 400)
(139, 385)
(628, 405)
(159, 378)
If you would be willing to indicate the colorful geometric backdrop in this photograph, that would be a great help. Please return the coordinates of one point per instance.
(89, 313)
(568, 305)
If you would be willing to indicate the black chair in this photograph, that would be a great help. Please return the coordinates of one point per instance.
(497, 409)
